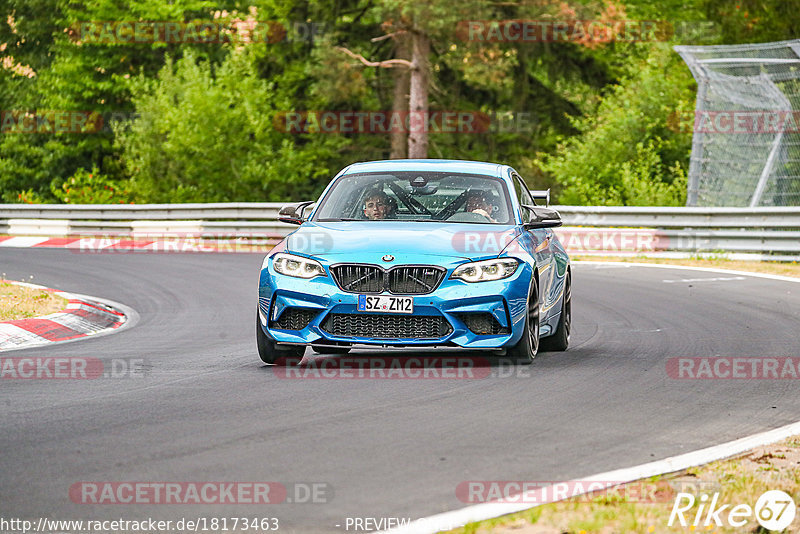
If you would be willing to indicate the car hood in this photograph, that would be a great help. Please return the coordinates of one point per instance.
(369, 241)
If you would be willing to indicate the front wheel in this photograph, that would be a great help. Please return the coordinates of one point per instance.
(270, 353)
(525, 349)
(560, 340)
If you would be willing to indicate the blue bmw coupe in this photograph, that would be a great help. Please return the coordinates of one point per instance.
(417, 253)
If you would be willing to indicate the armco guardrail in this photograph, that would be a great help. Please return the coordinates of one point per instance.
(763, 233)
(69, 219)
(685, 218)
(143, 212)
(588, 229)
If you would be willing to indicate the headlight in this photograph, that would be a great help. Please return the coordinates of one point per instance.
(484, 271)
(297, 266)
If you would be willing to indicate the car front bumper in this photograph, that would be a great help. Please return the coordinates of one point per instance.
(482, 315)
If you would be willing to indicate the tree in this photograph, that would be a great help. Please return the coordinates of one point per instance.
(206, 136)
(626, 154)
(73, 74)
(414, 26)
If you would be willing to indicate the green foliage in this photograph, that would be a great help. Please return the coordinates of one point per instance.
(595, 116)
(71, 75)
(627, 154)
(646, 182)
(85, 187)
(205, 137)
(754, 21)
(29, 197)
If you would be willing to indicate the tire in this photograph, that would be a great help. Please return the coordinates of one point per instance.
(560, 340)
(329, 350)
(526, 348)
(270, 353)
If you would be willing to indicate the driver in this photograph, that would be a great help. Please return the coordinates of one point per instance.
(480, 202)
(378, 206)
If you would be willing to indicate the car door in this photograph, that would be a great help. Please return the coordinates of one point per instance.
(536, 241)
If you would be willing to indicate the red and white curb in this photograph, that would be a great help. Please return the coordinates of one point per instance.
(84, 316)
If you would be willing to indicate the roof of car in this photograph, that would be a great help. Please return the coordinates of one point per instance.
(414, 165)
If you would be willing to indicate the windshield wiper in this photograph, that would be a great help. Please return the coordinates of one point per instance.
(341, 220)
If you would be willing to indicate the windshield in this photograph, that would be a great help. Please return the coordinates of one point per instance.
(418, 197)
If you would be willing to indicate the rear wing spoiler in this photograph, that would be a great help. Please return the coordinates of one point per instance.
(541, 195)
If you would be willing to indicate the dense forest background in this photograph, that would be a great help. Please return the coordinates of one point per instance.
(192, 121)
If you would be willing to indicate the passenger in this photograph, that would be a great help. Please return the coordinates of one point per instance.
(480, 202)
(378, 206)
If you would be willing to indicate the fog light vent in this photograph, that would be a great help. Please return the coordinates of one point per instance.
(295, 318)
(482, 324)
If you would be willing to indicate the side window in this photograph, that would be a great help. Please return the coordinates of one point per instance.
(523, 196)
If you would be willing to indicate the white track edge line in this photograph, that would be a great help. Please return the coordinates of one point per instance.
(691, 268)
(480, 512)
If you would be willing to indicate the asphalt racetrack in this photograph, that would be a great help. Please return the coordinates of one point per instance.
(208, 410)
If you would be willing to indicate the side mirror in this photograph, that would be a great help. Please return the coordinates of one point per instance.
(294, 213)
(543, 218)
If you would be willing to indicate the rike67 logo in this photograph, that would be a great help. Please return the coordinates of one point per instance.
(774, 510)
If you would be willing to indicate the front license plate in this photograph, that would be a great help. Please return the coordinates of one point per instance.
(385, 303)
